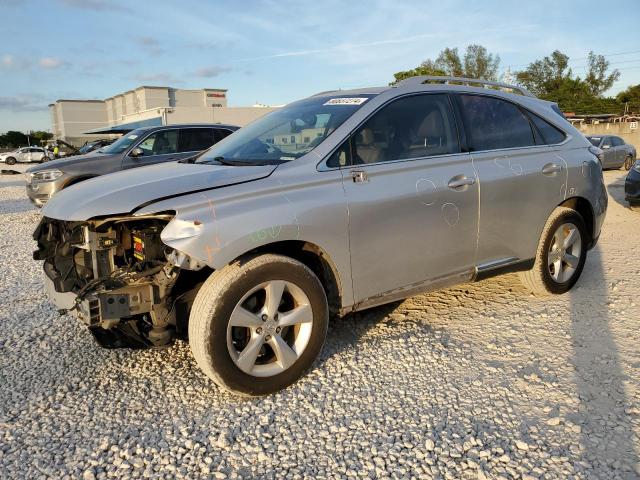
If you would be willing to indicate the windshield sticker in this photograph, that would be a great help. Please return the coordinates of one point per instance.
(346, 101)
(132, 137)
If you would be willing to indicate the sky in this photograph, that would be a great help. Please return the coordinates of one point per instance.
(274, 52)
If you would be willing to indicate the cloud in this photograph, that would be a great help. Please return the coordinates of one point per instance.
(22, 104)
(150, 44)
(96, 5)
(210, 72)
(165, 78)
(8, 61)
(51, 62)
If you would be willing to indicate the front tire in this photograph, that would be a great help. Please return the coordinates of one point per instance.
(561, 254)
(10, 161)
(258, 324)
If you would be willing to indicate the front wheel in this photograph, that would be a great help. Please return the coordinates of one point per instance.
(628, 163)
(10, 161)
(258, 324)
(561, 254)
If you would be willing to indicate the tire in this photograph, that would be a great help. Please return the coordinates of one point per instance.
(10, 161)
(628, 163)
(220, 349)
(546, 277)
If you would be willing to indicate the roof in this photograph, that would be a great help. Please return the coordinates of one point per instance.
(151, 123)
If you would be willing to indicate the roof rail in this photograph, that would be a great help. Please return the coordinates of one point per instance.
(420, 79)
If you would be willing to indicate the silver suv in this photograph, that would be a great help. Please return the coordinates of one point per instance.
(333, 204)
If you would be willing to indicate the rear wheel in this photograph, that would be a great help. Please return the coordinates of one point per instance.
(628, 162)
(256, 325)
(561, 254)
(10, 161)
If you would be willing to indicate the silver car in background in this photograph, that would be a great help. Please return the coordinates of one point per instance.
(333, 204)
(615, 152)
(24, 155)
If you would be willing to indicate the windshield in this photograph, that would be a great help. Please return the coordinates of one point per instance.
(123, 142)
(286, 134)
(595, 141)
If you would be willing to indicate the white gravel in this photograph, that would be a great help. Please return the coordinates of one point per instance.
(480, 381)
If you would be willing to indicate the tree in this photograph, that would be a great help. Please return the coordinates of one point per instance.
(477, 63)
(597, 78)
(630, 98)
(545, 75)
(551, 79)
(13, 139)
(40, 137)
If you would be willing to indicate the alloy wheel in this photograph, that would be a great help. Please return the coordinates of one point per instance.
(564, 253)
(269, 328)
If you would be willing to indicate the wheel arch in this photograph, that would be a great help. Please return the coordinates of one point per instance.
(584, 208)
(74, 180)
(314, 257)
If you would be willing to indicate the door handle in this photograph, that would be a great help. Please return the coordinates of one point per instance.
(551, 169)
(359, 176)
(460, 181)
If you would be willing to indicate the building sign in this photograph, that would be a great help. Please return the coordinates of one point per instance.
(216, 95)
(633, 125)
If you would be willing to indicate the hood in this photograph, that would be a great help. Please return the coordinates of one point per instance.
(123, 192)
(66, 162)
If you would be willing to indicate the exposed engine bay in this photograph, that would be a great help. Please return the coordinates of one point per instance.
(119, 278)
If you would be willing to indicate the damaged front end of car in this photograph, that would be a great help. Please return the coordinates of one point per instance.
(119, 278)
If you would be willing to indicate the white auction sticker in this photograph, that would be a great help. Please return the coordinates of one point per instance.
(346, 101)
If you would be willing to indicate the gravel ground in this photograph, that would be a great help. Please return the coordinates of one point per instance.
(479, 381)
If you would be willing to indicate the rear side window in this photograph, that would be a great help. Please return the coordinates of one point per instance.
(220, 133)
(492, 123)
(617, 141)
(195, 139)
(550, 134)
(411, 127)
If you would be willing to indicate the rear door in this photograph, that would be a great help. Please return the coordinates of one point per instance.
(609, 152)
(412, 198)
(621, 151)
(521, 180)
(194, 140)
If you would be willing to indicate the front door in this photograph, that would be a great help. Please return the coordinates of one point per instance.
(608, 153)
(412, 199)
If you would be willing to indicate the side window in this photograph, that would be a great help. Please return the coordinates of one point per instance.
(550, 134)
(492, 123)
(163, 142)
(411, 127)
(341, 157)
(35, 150)
(617, 141)
(220, 133)
(195, 139)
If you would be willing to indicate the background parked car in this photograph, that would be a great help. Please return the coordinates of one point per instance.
(615, 152)
(23, 155)
(632, 185)
(140, 147)
(92, 146)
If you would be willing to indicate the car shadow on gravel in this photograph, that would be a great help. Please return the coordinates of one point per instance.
(16, 206)
(607, 434)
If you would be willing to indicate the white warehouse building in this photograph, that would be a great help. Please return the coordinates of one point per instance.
(79, 121)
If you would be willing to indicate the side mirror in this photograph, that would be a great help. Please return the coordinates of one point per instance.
(136, 152)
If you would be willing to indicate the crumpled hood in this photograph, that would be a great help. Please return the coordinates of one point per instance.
(122, 192)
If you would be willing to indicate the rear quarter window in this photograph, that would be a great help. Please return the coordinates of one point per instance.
(550, 134)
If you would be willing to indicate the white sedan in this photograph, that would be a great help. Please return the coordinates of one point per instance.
(25, 154)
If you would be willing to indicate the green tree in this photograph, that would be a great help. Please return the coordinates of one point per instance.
(477, 63)
(631, 98)
(39, 137)
(551, 79)
(598, 80)
(13, 139)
